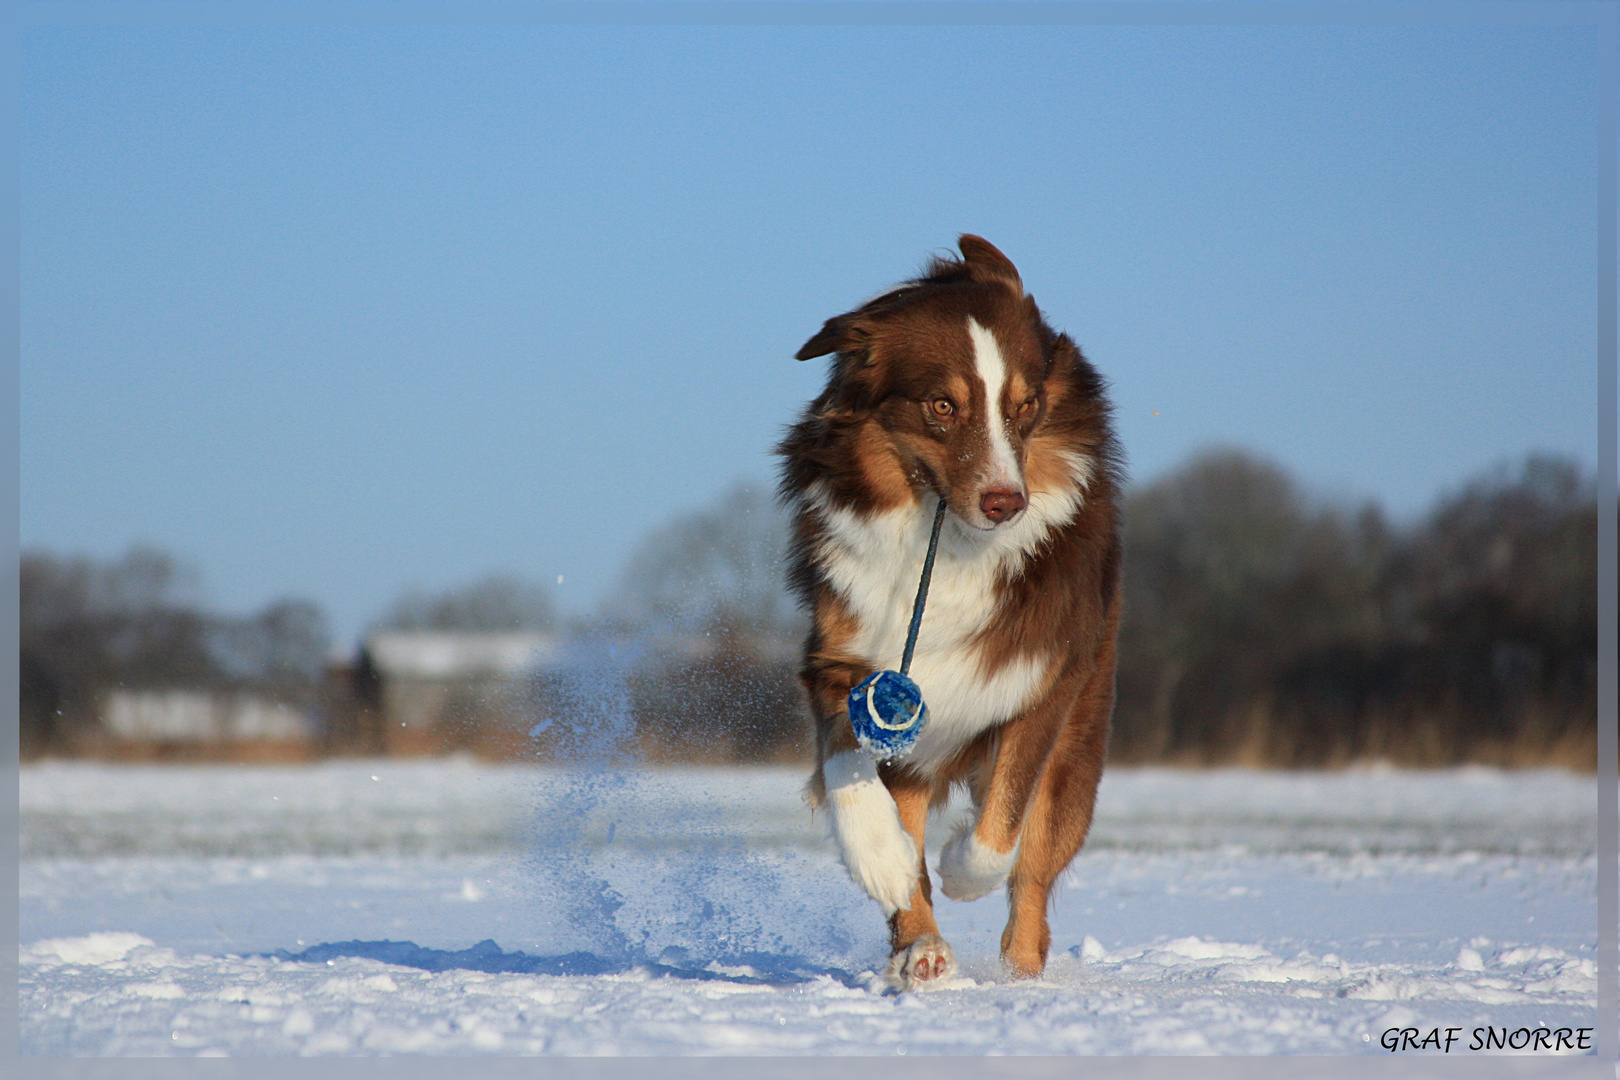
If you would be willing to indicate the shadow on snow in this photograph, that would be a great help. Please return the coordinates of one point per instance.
(486, 956)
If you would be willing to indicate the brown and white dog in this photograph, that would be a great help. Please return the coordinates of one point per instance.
(953, 387)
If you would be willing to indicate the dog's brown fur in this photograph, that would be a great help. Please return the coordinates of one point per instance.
(875, 441)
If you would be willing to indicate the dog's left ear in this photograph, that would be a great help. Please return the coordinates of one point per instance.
(986, 262)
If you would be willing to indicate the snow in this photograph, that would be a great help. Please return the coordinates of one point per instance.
(450, 907)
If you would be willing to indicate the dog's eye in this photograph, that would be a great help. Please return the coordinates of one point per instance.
(942, 406)
(1027, 407)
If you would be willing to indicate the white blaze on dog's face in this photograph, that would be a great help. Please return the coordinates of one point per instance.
(965, 395)
(1000, 487)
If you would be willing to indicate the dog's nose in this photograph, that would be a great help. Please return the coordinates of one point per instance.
(999, 504)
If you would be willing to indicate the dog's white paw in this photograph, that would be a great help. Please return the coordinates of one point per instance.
(925, 964)
(878, 853)
(968, 869)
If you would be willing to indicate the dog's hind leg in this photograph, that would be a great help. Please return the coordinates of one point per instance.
(919, 958)
(1058, 819)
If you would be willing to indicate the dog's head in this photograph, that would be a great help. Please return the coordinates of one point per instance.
(953, 368)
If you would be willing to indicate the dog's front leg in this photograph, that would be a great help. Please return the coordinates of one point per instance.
(875, 847)
(980, 854)
(919, 958)
(986, 850)
(877, 825)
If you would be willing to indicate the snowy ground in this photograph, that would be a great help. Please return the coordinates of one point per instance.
(455, 908)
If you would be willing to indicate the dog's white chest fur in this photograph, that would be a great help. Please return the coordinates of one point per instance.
(874, 564)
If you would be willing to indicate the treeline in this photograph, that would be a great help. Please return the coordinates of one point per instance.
(132, 623)
(1262, 626)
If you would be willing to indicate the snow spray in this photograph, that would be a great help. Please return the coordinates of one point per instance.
(589, 703)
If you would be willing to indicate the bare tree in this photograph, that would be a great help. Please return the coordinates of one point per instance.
(498, 602)
(719, 566)
(706, 594)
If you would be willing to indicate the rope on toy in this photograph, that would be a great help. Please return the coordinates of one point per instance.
(887, 709)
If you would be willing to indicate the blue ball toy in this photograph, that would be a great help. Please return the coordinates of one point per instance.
(888, 714)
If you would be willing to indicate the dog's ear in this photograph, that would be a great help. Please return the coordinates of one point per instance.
(838, 334)
(825, 340)
(856, 379)
(985, 262)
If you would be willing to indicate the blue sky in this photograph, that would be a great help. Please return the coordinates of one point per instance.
(337, 311)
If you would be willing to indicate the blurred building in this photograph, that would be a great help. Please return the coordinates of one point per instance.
(702, 697)
(426, 693)
(200, 724)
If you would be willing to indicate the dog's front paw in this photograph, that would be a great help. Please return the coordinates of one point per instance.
(925, 964)
(968, 869)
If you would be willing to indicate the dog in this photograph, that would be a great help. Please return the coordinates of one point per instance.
(953, 387)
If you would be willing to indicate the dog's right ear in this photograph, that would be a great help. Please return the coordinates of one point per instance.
(837, 334)
(985, 262)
